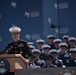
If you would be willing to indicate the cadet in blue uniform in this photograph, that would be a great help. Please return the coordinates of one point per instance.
(72, 42)
(48, 60)
(46, 51)
(65, 39)
(31, 47)
(40, 43)
(33, 66)
(51, 38)
(56, 43)
(37, 61)
(17, 46)
(72, 61)
(64, 55)
(56, 61)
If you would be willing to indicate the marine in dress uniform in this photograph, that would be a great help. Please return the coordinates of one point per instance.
(51, 38)
(17, 46)
(56, 61)
(72, 61)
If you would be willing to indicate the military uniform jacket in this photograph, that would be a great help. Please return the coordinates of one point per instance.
(51, 66)
(19, 47)
(71, 62)
(58, 62)
(42, 56)
(33, 66)
(52, 46)
(40, 63)
(64, 57)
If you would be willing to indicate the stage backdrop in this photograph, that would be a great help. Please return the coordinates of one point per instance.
(61, 13)
(26, 14)
(35, 18)
(67, 17)
(50, 16)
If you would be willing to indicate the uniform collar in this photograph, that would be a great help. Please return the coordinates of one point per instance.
(16, 41)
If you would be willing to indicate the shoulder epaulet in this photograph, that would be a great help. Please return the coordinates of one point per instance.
(23, 41)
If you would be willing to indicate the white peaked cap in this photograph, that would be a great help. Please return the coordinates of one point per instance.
(65, 36)
(31, 46)
(40, 40)
(72, 38)
(45, 46)
(50, 36)
(57, 40)
(72, 50)
(14, 29)
(36, 50)
(63, 44)
(53, 51)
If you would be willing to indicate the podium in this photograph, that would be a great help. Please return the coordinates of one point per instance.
(16, 61)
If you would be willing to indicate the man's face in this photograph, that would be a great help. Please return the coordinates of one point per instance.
(72, 43)
(15, 36)
(57, 44)
(36, 55)
(54, 55)
(51, 40)
(63, 49)
(46, 51)
(65, 40)
(40, 46)
(49, 62)
(73, 55)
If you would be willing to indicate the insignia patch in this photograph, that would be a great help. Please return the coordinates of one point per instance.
(67, 74)
(4, 66)
(15, 47)
(21, 52)
(9, 49)
(75, 61)
(15, 43)
(11, 46)
(20, 45)
(56, 61)
(66, 55)
(67, 61)
(15, 51)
